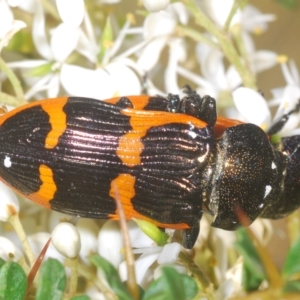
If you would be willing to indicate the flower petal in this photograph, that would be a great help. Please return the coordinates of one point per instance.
(156, 5)
(63, 41)
(142, 265)
(8, 251)
(219, 10)
(15, 27)
(37, 242)
(6, 18)
(159, 24)
(150, 55)
(252, 19)
(179, 10)
(110, 242)
(169, 253)
(9, 204)
(71, 11)
(252, 106)
(263, 60)
(78, 81)
(118, 72)
(177, 53)
(88, 231)
(288, 76)
(39, 33)
(137, 237)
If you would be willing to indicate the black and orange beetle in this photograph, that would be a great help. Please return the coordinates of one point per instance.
(165, 159)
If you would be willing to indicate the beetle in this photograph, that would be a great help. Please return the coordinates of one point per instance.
(166, 159)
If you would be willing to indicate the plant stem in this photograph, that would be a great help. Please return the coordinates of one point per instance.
(199, 275)
(74, 276)
(15, 222)
(236, 5)
(14, 81)
(225, 43)
(196, 36)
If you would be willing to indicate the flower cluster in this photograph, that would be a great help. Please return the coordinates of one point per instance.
(89, 49)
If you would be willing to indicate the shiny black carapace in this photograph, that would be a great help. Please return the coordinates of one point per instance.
(165, 159)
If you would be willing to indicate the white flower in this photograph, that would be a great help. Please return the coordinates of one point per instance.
(71, 11)
(116, 79)
(254, 109)
(159, 32)
(232, 284)
(143, 265)
(117, 75)
(62, 43)
(8, 251)
(9, 204)
(252, 20)
(148, 253)
(110, 243)
(8, 26)
(94, 293)
(88, 231)
(110, 246)
(288, 97)
(56, 217)
(218, 11)
(66, 239)
(216, 78)
(156, 5)
(252, 106)
(37, 242)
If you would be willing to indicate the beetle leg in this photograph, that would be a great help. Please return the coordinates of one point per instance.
(173, 105)
(124, 102)
(189, 237)
(208, 110)
(278, 125)
(202, 108)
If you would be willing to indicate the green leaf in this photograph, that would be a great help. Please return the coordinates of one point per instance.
(171, 285)
(253, 272)
(52, 281)
(292, 262)
(106, 40)
(292, 287)
(81, 297)
(13, 281)
(2, 262)
(111, 276)
(154, 233)
(40, 70)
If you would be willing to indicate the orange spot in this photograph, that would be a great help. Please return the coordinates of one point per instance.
(223, 123)
(58, 121)
(130, 145)
(139, 102)
(47, 188)
(48, 102)
(122, 189)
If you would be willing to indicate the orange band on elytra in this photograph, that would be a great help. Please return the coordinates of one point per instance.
(122, 189)
(47, 188)
(58, 121)
(130, 145)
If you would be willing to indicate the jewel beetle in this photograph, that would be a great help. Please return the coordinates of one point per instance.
(166, 159)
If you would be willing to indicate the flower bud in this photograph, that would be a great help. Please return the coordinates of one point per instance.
(66, 239)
